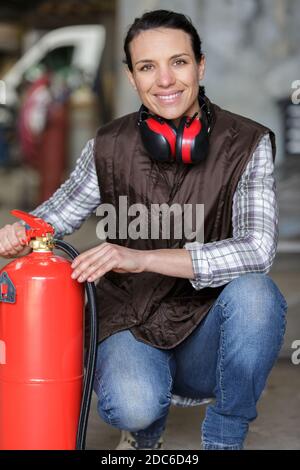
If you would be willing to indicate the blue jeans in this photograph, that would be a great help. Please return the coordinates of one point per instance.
(228, 357)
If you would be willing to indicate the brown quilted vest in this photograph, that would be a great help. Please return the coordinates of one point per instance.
(162, 310)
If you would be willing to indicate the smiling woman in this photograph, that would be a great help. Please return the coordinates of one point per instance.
(165, 71)
(175, 315)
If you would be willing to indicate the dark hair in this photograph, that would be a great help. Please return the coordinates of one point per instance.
(162, 19)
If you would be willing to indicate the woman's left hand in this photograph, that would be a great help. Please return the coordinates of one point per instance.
(94, 263)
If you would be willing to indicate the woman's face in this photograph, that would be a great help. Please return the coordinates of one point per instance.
(165, 72)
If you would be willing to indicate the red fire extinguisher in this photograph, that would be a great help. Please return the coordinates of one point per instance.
(41, 347)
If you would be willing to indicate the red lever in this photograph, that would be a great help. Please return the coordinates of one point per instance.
(38, 226)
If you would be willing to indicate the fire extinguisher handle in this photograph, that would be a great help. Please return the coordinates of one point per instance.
(35, 226)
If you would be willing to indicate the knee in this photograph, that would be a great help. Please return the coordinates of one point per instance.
(133, 410)
(255, 300)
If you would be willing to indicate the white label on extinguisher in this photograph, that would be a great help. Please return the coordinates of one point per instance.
(2, 352)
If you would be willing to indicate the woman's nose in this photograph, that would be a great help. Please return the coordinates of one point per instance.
(165, 77)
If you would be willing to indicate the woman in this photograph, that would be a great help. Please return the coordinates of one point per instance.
(175, 315)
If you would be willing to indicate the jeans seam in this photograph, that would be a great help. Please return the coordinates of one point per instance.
(223, 394)
(170, 385)
(221, 360)
(106, 398)
(283, 326)
(217, 446)
(220, 369)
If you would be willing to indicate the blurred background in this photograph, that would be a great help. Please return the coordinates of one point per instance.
(61, 77)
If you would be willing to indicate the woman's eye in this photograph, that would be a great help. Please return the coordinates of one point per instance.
(146, 67)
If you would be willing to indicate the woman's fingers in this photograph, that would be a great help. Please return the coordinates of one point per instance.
(90, 265)
(99, 272)
(12, 239)
(94, 263)
(93, 252)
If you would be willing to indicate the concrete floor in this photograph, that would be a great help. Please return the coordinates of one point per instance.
(277, 425)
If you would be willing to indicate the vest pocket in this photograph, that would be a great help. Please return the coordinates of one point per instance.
(181, 310)
(184, 307)
(107, 287)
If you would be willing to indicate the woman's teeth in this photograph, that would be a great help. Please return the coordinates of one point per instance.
(169, 97)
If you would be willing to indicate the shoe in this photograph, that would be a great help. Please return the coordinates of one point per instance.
(128, 442)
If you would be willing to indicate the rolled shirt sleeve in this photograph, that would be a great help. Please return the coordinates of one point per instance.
(75, 199)
(252, 247)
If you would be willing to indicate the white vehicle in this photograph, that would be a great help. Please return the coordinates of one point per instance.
(78, 46)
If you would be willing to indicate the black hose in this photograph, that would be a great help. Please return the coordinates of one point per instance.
(92, 351)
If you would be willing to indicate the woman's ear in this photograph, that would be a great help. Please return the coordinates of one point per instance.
(130, 78)
(201, 67)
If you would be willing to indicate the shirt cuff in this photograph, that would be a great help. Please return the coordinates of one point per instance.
(197, 256)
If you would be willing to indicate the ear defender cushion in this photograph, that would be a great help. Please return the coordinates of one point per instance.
(158, 137)
(180, 130)
(186, 150)
(161, 139)
(200, 145)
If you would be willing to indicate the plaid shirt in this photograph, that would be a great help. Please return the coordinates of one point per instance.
(254, 218)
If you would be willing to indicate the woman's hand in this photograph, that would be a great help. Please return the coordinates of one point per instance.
(94, 263)
(13, 241)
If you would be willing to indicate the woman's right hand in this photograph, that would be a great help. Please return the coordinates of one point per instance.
(13, 241)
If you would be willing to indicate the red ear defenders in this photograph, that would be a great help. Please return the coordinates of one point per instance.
(188, 143)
